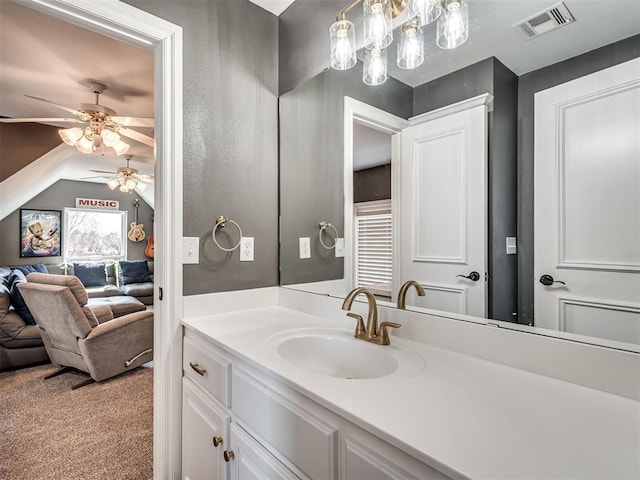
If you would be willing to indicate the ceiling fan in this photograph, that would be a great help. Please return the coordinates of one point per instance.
(125, 178)
(95, 125)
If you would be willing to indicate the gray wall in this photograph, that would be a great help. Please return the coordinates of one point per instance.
(63, 194)
(311, 164)
(230, 136)
(22, 143)
(528, 85)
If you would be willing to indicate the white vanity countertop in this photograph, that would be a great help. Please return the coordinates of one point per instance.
(467, 417)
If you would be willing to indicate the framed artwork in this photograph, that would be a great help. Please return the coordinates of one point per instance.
(40, 233)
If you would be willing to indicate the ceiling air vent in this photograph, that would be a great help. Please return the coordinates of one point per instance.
(549, 19)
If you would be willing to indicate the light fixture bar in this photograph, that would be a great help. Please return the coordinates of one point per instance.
(342, 14)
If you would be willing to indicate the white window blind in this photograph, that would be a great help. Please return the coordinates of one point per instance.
(373, 224)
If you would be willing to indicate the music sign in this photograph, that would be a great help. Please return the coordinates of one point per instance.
(97, 204)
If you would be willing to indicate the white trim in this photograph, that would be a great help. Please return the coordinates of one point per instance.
(484, 99)
(136, 27)
(364, 114)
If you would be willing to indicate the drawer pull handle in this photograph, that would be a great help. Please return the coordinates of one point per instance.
(228, 455)
(198, 369)
(217, 441)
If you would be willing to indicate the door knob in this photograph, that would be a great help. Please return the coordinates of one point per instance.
(547, 280)
(228, 455)
(217, 441)
(473, 276)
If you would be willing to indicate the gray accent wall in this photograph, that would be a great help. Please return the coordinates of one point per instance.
(528, 86)
(59, 196)
(371, 184)
(311, 164)
(230, 137)
(22, 143)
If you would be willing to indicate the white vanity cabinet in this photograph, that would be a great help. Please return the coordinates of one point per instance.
(269, 430)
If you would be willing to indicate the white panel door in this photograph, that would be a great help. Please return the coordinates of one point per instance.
(587, 205)
(444, 211)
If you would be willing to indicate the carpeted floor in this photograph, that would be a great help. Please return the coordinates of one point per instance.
(100, 431)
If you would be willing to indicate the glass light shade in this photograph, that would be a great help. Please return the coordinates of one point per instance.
(120, 147)
(410, 46)
(84, 145)
(453, 24)
(124, 189)
(113, 184)
(343, 45)
(130, 184)
(378, 31)
(424, 11)
(71, 135)
(141, 186)
(109, 137)
(375, 67)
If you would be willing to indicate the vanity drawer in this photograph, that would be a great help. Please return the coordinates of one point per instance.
(206, 368)
(299, 436)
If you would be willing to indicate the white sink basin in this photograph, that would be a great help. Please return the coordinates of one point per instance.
(336, 353)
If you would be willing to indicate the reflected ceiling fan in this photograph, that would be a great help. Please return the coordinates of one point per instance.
(125, 178)
(96, 125)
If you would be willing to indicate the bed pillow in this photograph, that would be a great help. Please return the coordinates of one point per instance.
(17, 302)
(91, 274)
(134, 271)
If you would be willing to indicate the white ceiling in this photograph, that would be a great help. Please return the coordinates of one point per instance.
(371, 148)
(274, 6)
(51, 59)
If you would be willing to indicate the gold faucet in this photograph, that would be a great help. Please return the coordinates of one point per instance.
(402, 294)
(371, 333)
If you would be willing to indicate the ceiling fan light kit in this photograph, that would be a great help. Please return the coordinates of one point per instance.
(452, 31)
(127, 179)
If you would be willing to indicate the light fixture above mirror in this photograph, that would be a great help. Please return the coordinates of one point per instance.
(452, 31)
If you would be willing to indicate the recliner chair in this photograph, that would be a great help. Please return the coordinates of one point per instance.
(76, 338)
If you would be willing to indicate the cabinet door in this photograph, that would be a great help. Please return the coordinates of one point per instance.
(251, 461)
(203, 420)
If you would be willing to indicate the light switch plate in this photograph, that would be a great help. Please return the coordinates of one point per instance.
(305, 247)
(190, 250)
(339, 247)
(512, 248)
(246, 249)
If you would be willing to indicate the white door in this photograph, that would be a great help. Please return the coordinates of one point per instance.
(444, 208)
(587, 205)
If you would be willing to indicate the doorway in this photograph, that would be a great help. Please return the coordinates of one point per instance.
(135, 27)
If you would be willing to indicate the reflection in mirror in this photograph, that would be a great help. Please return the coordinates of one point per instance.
(596, 237)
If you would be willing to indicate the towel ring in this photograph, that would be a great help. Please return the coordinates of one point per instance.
(221, 221)
(323, 226)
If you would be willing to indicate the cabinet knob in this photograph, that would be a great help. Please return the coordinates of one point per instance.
(228, 455)
(217, 441)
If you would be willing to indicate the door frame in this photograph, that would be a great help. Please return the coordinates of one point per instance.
(126, 23)
(372, 117)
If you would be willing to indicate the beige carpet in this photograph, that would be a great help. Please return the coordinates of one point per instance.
(101, 431)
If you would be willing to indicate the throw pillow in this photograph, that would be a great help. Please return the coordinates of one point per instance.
(91, 274)
(17, 302)
(27, 269)
(134, 271)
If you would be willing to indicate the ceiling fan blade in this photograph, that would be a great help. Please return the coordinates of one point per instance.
(135, 121)
(140, 137)
(78, 113)
(144, 178)
(39, 120)
(96, 176)
(102, 171)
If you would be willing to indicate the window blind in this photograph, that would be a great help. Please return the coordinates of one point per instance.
(373, 225)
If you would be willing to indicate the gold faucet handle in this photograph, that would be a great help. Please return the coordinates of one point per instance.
(383, 334)
(360, 326)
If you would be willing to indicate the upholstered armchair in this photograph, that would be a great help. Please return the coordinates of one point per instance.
(75, 337)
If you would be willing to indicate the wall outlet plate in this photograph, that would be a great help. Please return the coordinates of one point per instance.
(339, 247)
(305, 247)
(246, 249)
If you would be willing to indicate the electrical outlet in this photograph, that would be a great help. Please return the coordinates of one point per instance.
(190, 250)
(305, 247)
(246, 249)
(339, 247)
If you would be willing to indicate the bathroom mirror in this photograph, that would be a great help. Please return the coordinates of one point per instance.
(312, 171)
